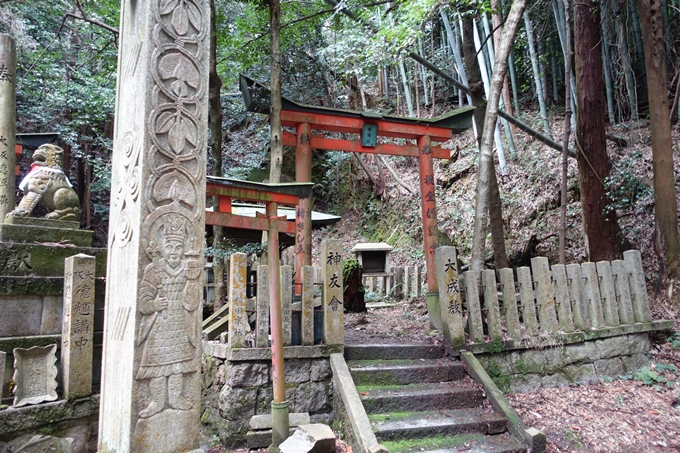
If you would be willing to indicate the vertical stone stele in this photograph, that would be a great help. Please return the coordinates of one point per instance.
(8, 120)
(3, 357)
(150, 399)
(35, 375)
(78, 326)
(333, 307)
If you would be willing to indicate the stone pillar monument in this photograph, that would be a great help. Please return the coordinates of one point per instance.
(8, 123)
(150, 399)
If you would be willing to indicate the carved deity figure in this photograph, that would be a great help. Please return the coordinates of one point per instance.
(170, 293)
(47, 183)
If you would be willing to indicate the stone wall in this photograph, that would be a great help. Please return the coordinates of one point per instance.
(577, 363)
(234, 391)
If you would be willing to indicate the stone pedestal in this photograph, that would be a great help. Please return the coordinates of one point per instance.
(34, 229)
(449, 296)
(150, 399)
(78, 326)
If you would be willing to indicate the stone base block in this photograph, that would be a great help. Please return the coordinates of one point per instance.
(30, 229)
(170, 431)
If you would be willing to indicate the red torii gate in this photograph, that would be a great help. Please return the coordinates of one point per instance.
(370, 126)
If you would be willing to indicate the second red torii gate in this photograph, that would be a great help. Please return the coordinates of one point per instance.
(423, 132)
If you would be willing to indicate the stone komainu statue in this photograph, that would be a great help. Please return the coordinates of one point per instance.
(47, 183)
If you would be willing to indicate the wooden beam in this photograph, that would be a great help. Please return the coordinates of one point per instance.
(240, 193)
(354, 146)
(334, 123)
(226, 219)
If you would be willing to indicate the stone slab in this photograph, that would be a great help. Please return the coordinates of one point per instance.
(289, 352)
(561, 290)
(42, 222)
(238, 323)
(3, 357)
(27, 418)
(78, 326)
(527, 300)
(286, 300)
(392, 351)
(262, 308)
(25, 233)
(264, 421)
(475, 326)
(44, 260)
(42, 444)
(510, 304)
(52, 313)
(307, 306)
(21, 316)
(449, 296)
(493, 313)
(331, 270)
(610, 304)
(545, 299)
(316, 438)
(35, 375)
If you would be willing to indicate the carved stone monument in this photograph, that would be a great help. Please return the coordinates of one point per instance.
(150, 398)
(78, 326)
(3, 357)
(35, 375)
(8, 127)
(331, 270)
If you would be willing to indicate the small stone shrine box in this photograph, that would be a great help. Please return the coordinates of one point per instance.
(374, 257)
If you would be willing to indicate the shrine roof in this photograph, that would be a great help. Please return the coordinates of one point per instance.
(256, 97)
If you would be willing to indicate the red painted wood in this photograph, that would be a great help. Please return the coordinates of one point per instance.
(336, 123)
(229, 220)
(239, 193)
(354, 146)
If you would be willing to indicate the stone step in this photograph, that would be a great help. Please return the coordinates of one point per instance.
(392, 351)
(463, 443)
(419, 397)
(437, 423)
(401, 372)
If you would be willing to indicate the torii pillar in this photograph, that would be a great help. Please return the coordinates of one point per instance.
(430, 228)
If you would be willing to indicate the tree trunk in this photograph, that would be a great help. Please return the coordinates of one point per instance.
(665, 206)
(484, 178)
(215, 145)
(276, 156)
(565, 141)
(537, 73)
(601, 230)
(353, 293)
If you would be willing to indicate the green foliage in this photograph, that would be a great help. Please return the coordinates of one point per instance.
(350, 266)
(674, 340)
(228, 247)
(624, 188)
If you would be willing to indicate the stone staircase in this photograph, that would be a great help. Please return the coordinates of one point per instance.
(418, 400)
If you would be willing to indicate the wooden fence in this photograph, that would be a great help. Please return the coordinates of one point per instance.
(540, 300)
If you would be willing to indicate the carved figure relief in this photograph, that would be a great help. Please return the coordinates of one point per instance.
(46, 183)
(170, 294)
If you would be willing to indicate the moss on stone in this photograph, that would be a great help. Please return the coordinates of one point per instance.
(432, 443)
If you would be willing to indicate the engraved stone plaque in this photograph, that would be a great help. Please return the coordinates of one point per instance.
(78, 326)
(35, 375)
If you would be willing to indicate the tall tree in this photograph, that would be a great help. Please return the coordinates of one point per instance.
(215, 126)
(477, 97)
(601, 230)
(484, 177)
(665, 205)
